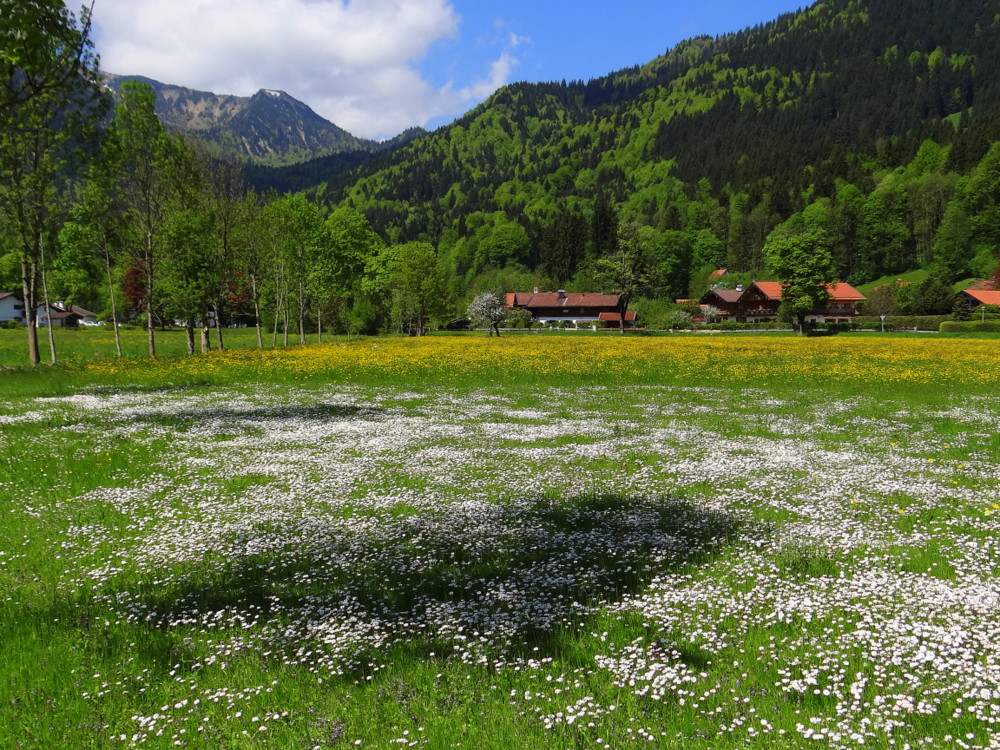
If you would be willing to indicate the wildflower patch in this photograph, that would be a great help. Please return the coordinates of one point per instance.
(606, 565)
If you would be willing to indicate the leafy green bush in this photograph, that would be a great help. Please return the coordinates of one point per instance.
(518, 318)
(919, 322)
(971, 326)
(831, 327)
(678, 318)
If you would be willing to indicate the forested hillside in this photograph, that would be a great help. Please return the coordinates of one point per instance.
(866, 120)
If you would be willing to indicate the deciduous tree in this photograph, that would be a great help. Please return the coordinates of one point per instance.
(804, 265)
(625, 272)
(48, 96)
(486, 311)
(142, 152)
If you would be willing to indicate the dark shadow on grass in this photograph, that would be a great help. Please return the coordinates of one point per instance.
(508, 579)
(238, 414)
(112, 390)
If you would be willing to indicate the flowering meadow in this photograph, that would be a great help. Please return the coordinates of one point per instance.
(602, 542)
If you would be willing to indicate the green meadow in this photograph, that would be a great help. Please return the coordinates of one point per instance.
(343, 548)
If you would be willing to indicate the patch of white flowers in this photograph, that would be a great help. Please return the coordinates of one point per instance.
(321, 528)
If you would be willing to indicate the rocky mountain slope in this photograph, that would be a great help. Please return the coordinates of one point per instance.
(269, 127)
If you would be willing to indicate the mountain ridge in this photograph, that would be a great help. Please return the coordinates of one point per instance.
(270, 127)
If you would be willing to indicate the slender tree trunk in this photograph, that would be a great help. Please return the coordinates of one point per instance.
(256, 311)
(114, 307)
(278, 305)
(189, 334)
(48, 308)
(319, 326)
(30, 309)
(150, 335)
(206, 333)
(150, 331)
(302, 315)
(218, 325)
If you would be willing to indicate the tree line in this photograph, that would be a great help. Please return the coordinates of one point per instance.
(722, 154)
(109, 211)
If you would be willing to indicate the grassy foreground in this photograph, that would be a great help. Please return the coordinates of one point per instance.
(532, 542)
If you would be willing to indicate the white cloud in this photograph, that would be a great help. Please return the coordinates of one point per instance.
(354, 62)
(516, 40)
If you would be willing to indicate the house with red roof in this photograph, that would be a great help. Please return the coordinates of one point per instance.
(760, 301)
(578, 308)
(976, 297)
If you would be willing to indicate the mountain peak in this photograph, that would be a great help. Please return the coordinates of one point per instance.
(273, 93)
(270, 127)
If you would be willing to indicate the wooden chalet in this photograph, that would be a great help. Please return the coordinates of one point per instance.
(759, 302)
(578, 308)
(726, 301)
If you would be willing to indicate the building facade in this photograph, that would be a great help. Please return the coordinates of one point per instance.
(578, 308)
(759, 302)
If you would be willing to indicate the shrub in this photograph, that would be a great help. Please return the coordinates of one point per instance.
(831, 327)
(972, 326)
(518, 318)
(678, 318)
(920, 322)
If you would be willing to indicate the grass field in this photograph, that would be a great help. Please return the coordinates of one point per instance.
(568, 542)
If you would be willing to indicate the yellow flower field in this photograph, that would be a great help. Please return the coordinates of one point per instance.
(708, 361)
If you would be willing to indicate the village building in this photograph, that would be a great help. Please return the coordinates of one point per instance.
(65, 316)
(11, 308)
(726, 301)
(978, 297)
(759, 302)
(577, 308)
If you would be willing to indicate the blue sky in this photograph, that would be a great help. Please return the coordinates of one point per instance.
(376, 67)
(552, 40)
(587, 39)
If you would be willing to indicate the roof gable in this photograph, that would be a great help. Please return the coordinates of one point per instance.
(770, 289)
(985, 297)
(534, 300)
(839, 292)
(730, 296)
(844, 292)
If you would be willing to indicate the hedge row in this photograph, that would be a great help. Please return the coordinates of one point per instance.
(920, 322)
(969, 326)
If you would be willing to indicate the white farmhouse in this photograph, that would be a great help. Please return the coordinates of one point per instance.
(65, 316)
(11, 308)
